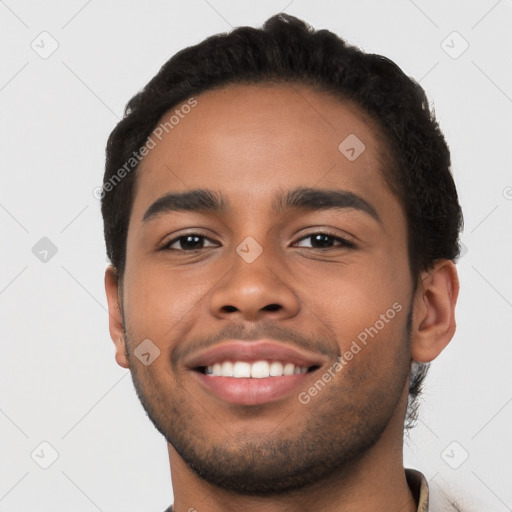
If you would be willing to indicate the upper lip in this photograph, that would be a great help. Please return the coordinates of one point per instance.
(250, 351)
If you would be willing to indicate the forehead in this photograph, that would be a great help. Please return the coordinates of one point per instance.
(249, 141)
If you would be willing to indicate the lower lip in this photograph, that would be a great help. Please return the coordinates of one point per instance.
(246, 391)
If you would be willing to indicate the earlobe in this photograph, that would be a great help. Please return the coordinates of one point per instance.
(434, 311)
(121, 355)
(115, 318)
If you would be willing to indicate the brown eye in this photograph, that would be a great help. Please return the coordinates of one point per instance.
(326, 241)
(189, 242)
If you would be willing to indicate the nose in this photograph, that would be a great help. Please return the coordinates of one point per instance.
(253, 291)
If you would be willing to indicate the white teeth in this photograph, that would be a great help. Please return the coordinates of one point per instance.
(276, 369)
(257, 370)
(260, 370)
(241, 369)
(289, 369)
(227, 369)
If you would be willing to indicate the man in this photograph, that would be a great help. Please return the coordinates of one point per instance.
(282, 226)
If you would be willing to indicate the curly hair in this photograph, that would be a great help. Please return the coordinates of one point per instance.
(287, 50)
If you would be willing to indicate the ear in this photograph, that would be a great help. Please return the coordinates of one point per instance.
(115, 318)
(434, 311)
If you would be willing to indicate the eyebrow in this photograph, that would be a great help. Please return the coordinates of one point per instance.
(304, 198)
(191, 200)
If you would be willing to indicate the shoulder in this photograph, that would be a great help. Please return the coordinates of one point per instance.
(440, 495)
(419, 488)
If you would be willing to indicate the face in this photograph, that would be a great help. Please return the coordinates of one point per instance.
(297, 255)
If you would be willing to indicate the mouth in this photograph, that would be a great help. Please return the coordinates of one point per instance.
(249, 384)
(254, 373)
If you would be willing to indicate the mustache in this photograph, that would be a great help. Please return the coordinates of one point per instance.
(264, 329)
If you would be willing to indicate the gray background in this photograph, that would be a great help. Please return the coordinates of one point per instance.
(58, 378)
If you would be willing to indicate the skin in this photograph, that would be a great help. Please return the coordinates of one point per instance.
(342, 450)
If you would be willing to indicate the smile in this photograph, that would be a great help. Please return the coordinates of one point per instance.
(255, 370)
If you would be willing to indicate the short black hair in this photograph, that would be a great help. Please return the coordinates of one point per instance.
(287, 50)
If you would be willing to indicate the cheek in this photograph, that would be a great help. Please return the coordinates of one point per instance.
(357, 293)
(365, 307)
(158, 301)
(373, 351)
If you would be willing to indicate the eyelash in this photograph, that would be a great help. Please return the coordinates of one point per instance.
(344, 243)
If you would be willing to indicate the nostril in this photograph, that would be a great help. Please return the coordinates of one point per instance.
(229, 309)
(272, 307)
